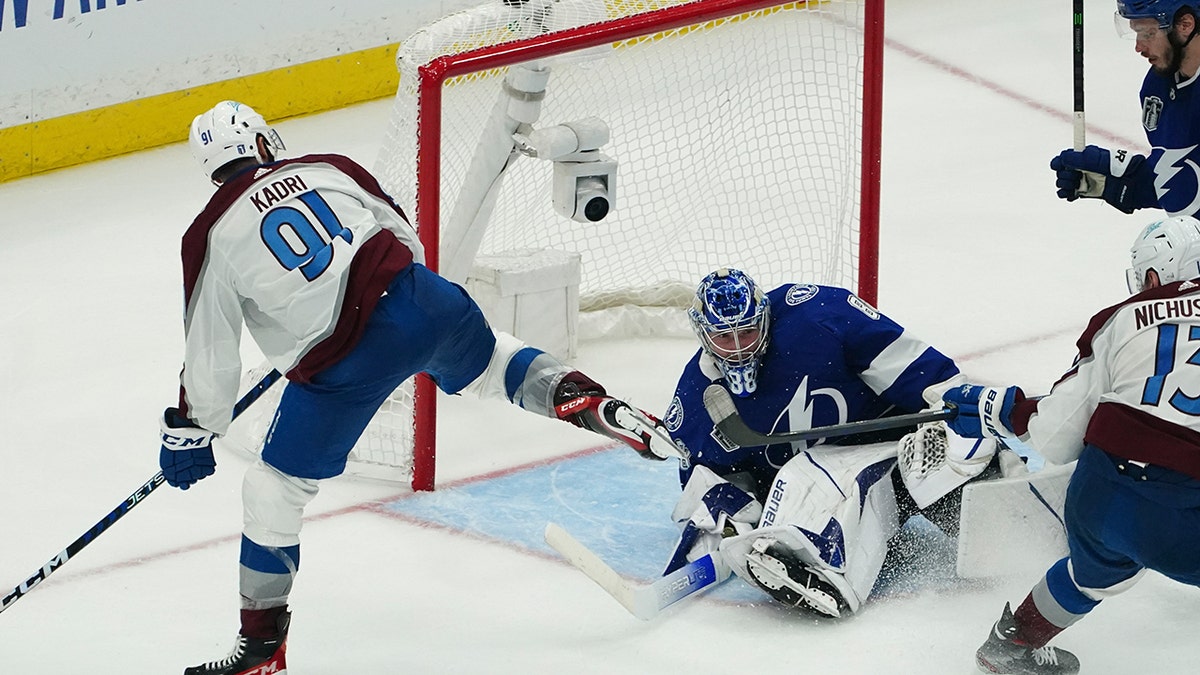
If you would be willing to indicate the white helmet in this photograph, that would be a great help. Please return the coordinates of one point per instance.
(1170, 247)
(227, 132)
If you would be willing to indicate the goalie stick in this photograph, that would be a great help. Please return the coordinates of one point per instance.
(139, 495)
(725, 416)
(643, 601)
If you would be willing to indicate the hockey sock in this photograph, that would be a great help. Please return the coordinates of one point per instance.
(262, 623)
(1033, 629)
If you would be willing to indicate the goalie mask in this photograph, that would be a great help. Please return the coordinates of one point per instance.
(731, 316)
(1170, 247)
(228, 132)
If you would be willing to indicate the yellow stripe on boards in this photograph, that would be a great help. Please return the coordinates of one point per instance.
(300, 89)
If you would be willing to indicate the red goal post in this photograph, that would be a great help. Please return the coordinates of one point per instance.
(746, 132)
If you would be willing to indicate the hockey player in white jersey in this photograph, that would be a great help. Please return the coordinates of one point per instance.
(326, 273)
(810, 522)
(1129, 411)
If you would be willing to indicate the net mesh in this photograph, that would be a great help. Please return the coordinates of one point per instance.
(737, 141)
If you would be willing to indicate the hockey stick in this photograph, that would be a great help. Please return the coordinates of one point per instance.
(1087, 182)
(1077, 44)
(720, 407)
(643, 601)
(125, 507)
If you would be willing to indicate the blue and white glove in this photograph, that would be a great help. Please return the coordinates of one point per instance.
(1096, 173)
(186, 454)
(982, 411)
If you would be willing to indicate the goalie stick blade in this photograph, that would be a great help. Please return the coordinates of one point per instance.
(719, 404)
(644, 602)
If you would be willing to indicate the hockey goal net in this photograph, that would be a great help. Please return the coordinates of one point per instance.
(746, 134)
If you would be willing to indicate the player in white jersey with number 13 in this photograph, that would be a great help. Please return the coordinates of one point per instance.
(326, 273)
(1129, 411)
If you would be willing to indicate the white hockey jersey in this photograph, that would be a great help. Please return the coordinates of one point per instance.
(299, 250)
(1134, 390)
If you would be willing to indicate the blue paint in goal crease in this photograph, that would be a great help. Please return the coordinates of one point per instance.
(613, 501)
(619, 505)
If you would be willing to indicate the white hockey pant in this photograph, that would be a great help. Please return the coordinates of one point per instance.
(273, 508)
(533, 375)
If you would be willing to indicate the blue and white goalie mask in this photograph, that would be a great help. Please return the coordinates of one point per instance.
(732, 317)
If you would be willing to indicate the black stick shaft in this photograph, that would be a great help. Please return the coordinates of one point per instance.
(1077, 45)
(721, 408)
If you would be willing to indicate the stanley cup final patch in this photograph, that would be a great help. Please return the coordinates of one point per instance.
(1151, 110)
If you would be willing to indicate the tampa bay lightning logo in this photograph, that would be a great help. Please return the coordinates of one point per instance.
(1177, 179)
(674, 417)
(801, 293)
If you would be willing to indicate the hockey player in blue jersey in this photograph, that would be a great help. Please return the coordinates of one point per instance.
(810, 522)
(323, 269)
(1169, 177)
(1128, 410)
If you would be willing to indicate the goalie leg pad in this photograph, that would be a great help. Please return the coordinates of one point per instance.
(710, 509)
(1025, 507)
(836, 510)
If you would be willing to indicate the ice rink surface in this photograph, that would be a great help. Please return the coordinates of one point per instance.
(978, 257)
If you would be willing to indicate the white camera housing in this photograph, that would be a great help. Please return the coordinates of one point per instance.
(585, 191)
(584, 179)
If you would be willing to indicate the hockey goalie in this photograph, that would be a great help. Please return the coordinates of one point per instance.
(810, 522)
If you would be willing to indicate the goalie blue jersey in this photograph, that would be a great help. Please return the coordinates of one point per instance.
(1171, 118)
(831, 358)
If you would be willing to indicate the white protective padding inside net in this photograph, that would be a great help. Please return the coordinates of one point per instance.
(737, 141)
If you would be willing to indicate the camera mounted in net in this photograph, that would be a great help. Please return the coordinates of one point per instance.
(584, 186)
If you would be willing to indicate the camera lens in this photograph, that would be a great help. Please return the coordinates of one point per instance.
(596, 208)
(592, 194)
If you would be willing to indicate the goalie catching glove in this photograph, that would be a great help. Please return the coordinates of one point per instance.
(186, 455)
(934, 462)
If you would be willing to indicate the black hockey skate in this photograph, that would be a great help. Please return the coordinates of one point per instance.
(251, 656)
(1001, 654)
(778, 571)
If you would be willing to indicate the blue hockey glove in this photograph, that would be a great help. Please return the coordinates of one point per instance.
(186, 454)
(1116, 177)
(982, 411)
